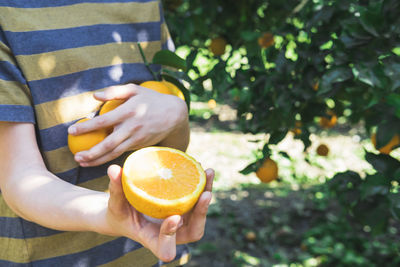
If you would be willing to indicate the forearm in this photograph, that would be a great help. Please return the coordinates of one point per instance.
(40, 197)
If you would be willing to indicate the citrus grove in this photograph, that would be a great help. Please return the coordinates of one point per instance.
(305, 68)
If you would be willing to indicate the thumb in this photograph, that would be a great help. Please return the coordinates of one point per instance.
(117, 92)
(167, 238)
(117, 200)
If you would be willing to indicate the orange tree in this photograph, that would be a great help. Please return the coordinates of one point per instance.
(326, 58)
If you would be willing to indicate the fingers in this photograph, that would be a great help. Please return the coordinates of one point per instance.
(117, 92)
(109, 149)
(210, 179)
(117, 201)
(166, 250)
(99, 122)
(194, 231)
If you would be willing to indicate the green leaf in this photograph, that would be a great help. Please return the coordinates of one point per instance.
(384, 164)
(371, 19)
(335, 75)
(276, 137)
(375, 185)
(169, 58)
(371, 75)
(249, 35)
(395, 205)
(385, 132)
(374, 212)
(180, 86)
(250, 168)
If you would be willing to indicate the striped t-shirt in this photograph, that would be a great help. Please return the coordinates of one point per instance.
(53, 56)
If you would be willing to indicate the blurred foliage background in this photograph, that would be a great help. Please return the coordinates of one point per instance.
(302, 68)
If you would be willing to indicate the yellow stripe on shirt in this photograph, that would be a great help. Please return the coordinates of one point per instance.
(86, 14)
(67, 61)
(66, 109)
(61, 244)
(14, 93)
(6, 54)
(140, 257)
(5, 210)
(59, 160)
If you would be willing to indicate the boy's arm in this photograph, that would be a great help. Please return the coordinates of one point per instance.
(37, 195)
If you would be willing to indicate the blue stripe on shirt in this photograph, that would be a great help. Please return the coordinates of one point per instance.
(41, 41)
(17, 113)
(14, 264)
(12, 229)
(104, 253)
(85, 81)
(52, 3)
(10, 72)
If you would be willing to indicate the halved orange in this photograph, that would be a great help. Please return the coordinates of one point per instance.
(160, 181)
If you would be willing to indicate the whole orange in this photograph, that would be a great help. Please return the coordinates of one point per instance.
(386, 149)
(297, 128)
(86, 141)
(323, 150)
(217, 46)
(329, 121)
(268, 171)
(157, 86)
(174, 89)
(110, 105)
(266, 40)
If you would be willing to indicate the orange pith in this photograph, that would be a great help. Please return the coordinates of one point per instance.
(160, 181)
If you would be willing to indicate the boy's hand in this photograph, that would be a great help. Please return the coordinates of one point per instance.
(123, 219)
(145, 119)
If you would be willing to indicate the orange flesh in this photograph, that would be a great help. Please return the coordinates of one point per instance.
(159, 180)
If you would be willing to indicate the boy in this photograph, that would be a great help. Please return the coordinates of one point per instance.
(54, 57)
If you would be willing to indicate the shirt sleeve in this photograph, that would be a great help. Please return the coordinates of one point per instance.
(15, 98)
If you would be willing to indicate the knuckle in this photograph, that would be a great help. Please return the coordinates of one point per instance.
(133, 128)
(88, 156)
(130, 113)
(101, 121)
(109, 145)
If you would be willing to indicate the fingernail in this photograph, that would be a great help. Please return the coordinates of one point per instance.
(208, 195)
(100, 94)
(78, 158)
(72, 130)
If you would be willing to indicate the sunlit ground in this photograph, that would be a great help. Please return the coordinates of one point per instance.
(276, 224)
